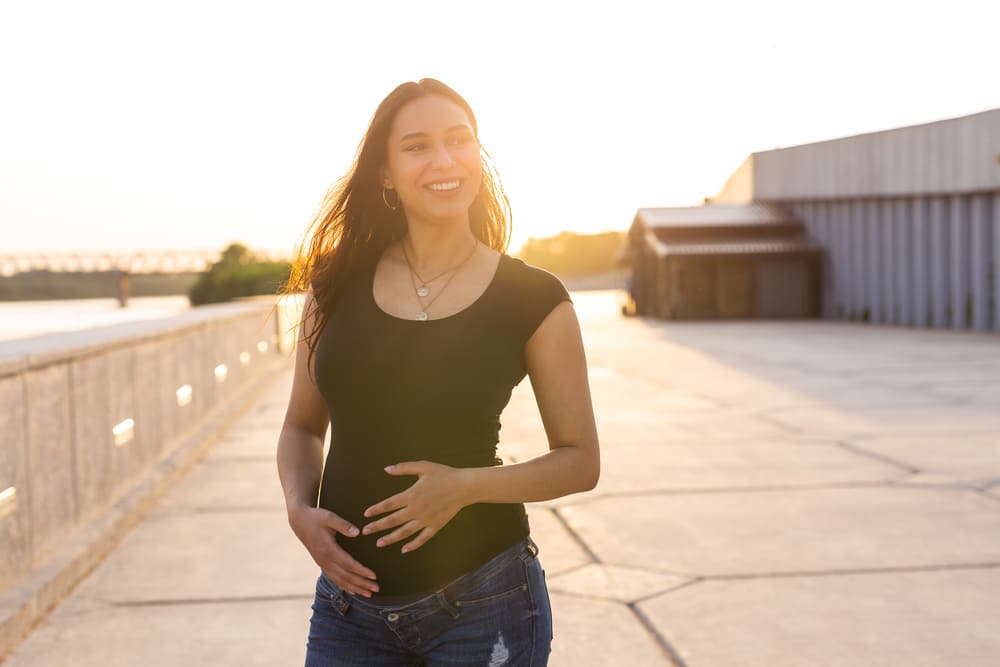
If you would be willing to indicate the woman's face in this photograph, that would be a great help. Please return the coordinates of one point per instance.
(432, 161)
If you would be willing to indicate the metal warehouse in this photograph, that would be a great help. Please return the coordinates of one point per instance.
(908, 221)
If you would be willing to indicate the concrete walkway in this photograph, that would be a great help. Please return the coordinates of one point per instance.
(779, 494)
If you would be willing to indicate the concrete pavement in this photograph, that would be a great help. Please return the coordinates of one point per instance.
(773, 493)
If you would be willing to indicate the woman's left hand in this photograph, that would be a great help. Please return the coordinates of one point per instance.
(424, 508)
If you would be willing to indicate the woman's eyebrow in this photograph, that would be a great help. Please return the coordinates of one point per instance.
(416, 135)
(412, 135)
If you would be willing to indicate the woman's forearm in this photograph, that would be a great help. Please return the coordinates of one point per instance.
(559, 472)
(441, 491)
(300, 466)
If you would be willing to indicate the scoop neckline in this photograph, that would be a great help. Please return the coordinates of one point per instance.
(489, 287)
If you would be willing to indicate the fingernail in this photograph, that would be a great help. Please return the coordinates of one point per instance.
(353, 530)
(379, 543)
(390, 468)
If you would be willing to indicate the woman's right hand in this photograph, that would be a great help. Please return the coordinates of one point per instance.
(316, 528)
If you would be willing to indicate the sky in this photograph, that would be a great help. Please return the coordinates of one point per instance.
(179, 125)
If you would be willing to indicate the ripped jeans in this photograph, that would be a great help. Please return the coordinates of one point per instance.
(497, 614)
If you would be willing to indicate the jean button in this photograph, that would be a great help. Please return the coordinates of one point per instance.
(393, 616)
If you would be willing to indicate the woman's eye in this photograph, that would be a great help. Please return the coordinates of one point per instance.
(458, 141)
(415, 147)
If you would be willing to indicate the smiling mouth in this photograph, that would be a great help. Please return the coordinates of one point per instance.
(444, 186)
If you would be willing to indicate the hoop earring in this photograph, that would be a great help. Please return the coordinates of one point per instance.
(386, 200)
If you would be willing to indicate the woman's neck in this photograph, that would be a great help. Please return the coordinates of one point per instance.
(437, 247)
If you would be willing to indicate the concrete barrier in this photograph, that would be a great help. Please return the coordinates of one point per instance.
(93, 422)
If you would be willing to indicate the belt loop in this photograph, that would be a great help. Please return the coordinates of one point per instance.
(532, 547)
(447, 605)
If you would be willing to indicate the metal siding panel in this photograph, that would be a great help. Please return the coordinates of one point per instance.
(890, 297)
(873, 253)
(904, 260)
(939, 263)
(840, 277)
(825, 239)
(858, 259)
(995, 263)
(848, 269)
(981, 244)
(843, 279)
(841, 214)
(961, 298)
(920, 229)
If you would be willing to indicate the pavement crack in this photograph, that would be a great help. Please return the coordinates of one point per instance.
(669, 589)
(661, 641)
(198, 601)
(576, 538)
(651, 570)
(573, 568)
(772, 488)
(900, 569)
(986, 493)
(878, 457)
(778, 423)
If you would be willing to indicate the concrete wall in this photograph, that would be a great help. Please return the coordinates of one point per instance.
(84, 415)
(948, 157)
(927, 261)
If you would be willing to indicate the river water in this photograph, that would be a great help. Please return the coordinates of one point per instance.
(22, 319)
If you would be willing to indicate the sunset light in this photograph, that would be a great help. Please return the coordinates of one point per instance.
(522, 333)
(140, 126)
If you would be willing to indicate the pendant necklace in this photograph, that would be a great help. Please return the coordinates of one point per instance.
(423, 290)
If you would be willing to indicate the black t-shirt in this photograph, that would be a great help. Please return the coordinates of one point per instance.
(402, 390)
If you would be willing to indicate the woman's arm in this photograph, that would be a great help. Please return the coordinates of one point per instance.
(557, 367)
(300, 445)
(300, 465)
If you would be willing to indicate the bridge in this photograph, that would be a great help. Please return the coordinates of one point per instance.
(139, 261)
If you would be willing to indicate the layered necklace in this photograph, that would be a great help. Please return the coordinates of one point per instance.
(423, 289)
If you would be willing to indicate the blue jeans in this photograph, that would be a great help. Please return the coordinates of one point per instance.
(497, 614)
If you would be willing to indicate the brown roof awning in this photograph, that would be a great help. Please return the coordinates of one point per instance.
(736, 247)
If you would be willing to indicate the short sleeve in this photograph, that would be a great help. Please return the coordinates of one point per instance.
(539, 292)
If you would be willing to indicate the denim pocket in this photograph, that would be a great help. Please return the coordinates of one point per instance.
(509, 580)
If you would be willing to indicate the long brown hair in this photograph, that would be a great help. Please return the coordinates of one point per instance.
(354, 226)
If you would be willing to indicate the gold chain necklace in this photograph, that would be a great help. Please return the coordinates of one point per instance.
(423, 290)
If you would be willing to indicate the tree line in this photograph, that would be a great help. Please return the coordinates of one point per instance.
(572, 254)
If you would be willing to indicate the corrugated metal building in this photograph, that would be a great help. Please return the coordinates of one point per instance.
(909, 219)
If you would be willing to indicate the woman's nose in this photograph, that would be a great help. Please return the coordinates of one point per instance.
(442, 156)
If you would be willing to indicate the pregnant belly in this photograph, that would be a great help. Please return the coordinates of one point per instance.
(350, 486)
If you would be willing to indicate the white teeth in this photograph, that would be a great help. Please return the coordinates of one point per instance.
(440, 187)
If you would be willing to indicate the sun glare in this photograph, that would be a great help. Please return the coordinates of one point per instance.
(139, 127)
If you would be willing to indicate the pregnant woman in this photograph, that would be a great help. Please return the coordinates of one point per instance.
(416, 327)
